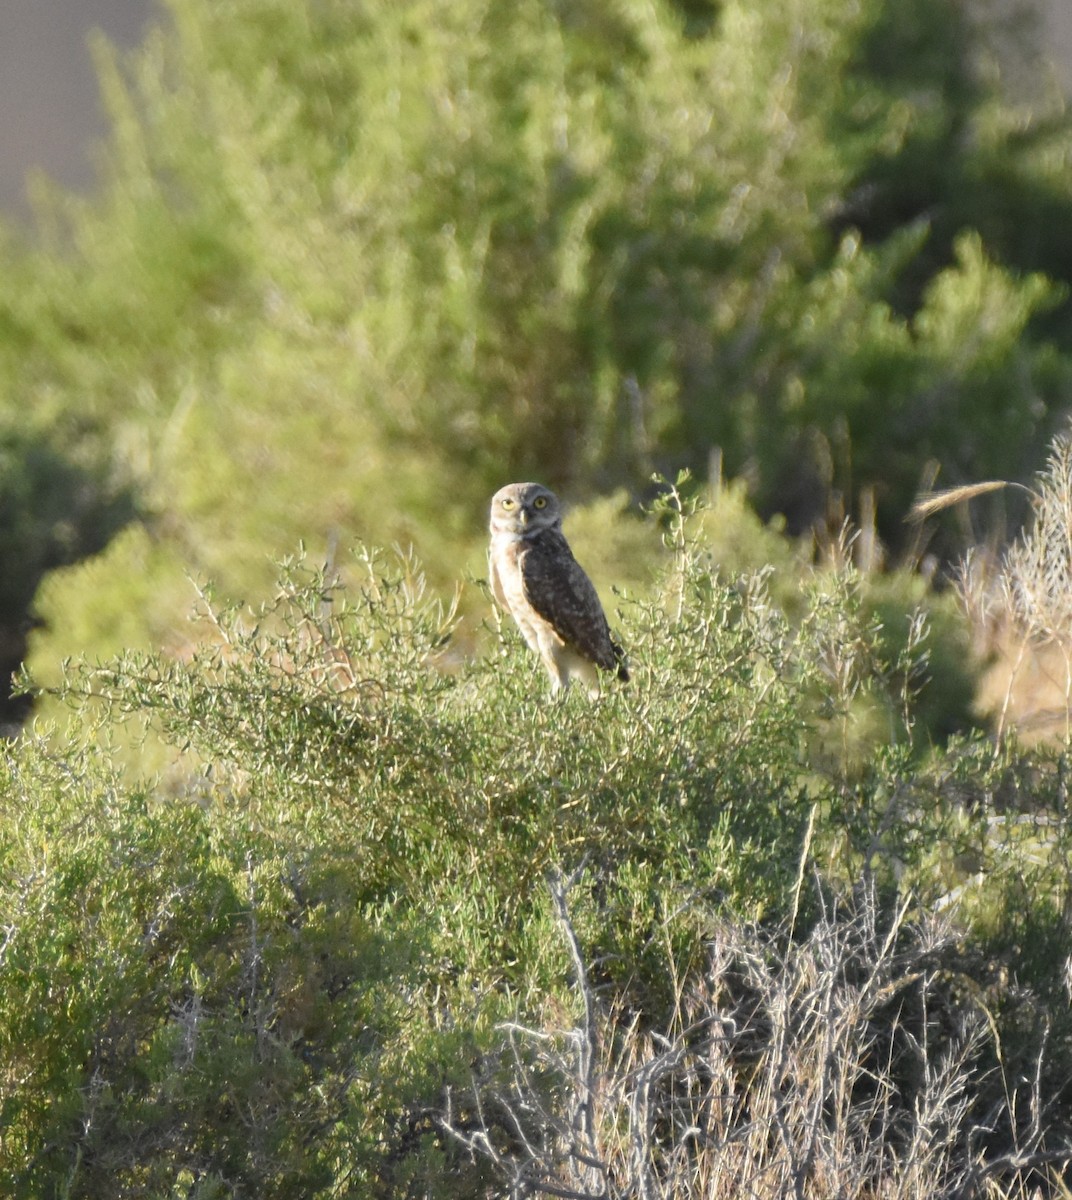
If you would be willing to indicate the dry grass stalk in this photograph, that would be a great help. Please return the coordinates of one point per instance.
(929, 503)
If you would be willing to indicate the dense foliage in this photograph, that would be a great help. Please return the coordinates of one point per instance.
(281, 967)
(352, 267)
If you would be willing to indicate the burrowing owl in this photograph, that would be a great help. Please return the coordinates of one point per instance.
(535, 577)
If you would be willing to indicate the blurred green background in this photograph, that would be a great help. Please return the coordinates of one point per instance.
(345, 269)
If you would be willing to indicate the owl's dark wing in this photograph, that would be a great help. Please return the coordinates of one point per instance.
(559, 590)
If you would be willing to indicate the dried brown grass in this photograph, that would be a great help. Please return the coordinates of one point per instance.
(1021, 606)
(830, 1066)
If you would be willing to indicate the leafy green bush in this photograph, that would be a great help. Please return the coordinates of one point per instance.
(268, 970)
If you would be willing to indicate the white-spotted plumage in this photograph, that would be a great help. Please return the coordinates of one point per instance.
(536, 579)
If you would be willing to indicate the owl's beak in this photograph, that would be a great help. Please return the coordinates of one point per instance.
(523, 517)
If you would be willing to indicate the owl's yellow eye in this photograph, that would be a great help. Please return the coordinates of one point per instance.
(540, 502)
(507, 503)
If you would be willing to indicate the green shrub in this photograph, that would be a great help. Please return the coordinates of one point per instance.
(268, 970)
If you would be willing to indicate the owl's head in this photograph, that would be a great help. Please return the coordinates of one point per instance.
(524, 508)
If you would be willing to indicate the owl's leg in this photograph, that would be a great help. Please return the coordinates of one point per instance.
(570, 666)
(559, 675)
(586, 674)
(552, 653)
